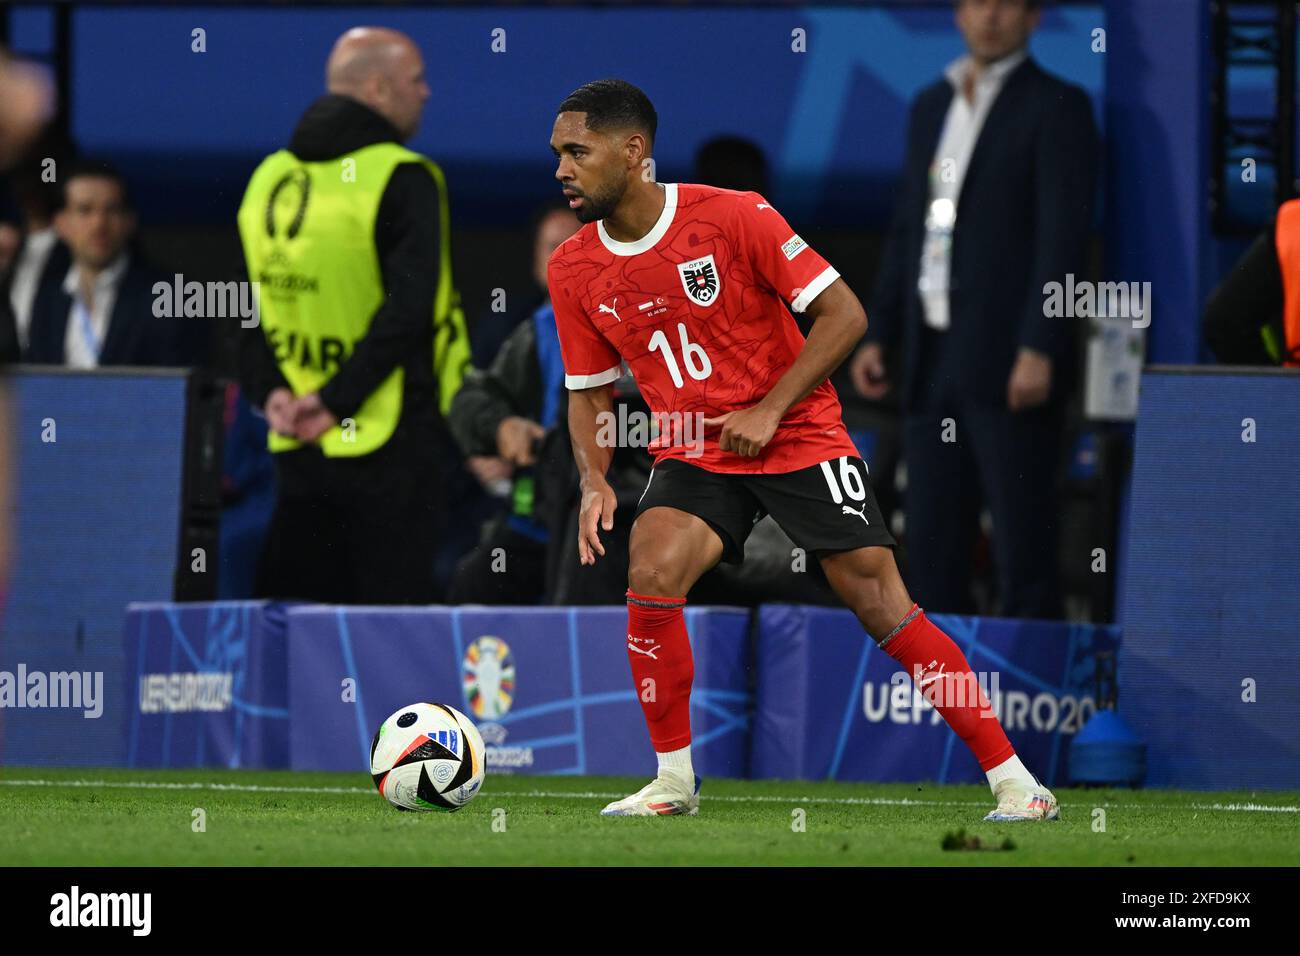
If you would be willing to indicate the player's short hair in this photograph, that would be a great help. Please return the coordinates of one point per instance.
(613, 104)
(95, 169)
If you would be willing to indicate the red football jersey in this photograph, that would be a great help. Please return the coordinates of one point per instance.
(697, 308)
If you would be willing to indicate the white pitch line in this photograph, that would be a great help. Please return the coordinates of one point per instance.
(911, 802)
(593, 795)
(159, 785)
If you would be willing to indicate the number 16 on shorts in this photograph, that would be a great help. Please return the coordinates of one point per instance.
(850, 483)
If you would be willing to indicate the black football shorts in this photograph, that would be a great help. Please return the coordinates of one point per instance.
(824, 508)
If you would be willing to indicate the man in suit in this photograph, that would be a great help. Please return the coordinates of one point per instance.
(996, 201)
(101, 311)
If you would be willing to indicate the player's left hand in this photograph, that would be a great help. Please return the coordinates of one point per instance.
(1030, 382)
(746, 431)
(311, 418)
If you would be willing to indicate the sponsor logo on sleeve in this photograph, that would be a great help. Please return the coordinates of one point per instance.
(793, 246)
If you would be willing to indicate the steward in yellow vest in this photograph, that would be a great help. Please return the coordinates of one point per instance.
(322, 286)
(1253, 315)
(361, 343)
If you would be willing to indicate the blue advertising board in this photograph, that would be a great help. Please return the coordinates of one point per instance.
(206, 685)
(249, 684)
(1209, 673)
(96, 523)
(550, 689)
(830, 704)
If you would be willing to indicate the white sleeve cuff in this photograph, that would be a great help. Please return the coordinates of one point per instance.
(815, 288)
(574, 382)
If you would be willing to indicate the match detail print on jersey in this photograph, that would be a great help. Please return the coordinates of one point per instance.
(700, 310)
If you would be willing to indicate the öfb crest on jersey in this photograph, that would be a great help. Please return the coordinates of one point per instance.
(700, 280)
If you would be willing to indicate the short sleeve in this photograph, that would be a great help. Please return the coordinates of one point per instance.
(589, 359)
(780, 256)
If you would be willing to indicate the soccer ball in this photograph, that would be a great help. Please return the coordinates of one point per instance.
(427, 757)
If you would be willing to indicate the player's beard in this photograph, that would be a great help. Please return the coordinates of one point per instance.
(600, 204)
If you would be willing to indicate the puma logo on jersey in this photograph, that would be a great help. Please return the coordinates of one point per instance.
(611, 309)
(762, 205)
(861, 513)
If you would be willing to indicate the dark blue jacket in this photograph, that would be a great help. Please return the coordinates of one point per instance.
(1023, 220)
(134, 336)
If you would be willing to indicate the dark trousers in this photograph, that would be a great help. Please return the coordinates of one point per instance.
(352, 530)
(1009, 462)
(506, 567)
(605, 582)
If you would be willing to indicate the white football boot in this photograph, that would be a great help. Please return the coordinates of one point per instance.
(662, 796)
(1019, 800)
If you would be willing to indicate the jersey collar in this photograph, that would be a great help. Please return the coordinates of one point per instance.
(650, 238)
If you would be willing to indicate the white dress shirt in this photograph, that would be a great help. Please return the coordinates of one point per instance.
(961, 131)
(88, 324)
(28, 268)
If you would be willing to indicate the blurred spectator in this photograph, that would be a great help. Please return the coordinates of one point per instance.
(247, 497)
(362, 341)
(11, 239)
(1253, 315)
(502, 418)
(26, 102)
(101, 311)
(489, 332)
(731, 162)
(26, 105)
(996, 201)
(42, 259)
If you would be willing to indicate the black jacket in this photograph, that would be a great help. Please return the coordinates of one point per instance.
(512, 385)
(1023, 220)
(1250, 298)
(134, 336)
(49, 281)
(407, 240)
(10, 351)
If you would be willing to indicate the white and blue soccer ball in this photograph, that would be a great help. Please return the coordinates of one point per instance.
(427, 757)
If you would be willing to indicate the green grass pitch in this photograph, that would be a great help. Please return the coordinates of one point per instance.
(92, 817)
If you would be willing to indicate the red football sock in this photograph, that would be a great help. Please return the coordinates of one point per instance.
(940, 670)
(662, 667)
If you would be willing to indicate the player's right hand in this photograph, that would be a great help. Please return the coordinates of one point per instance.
(598, 504)
(868, 371)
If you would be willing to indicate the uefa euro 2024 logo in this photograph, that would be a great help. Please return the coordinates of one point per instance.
(489, 678)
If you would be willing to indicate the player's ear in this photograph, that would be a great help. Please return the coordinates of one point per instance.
(637, 150)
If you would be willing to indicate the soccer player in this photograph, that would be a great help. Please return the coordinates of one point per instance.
(692, 286)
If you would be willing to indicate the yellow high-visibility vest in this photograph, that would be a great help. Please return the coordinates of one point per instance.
(308, 234)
